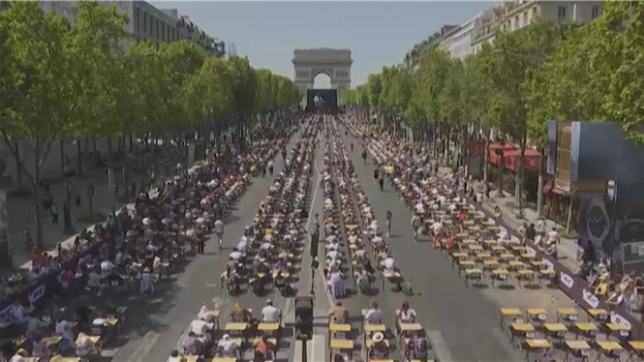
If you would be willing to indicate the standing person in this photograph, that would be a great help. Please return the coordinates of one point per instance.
(364, 157)
(381, 182)
(270, 168)
(388, 223)
(376, 173)
(53, 210)
(219, 232)
(201, 244)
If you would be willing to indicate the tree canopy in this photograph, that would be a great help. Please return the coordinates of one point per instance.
(527, 77)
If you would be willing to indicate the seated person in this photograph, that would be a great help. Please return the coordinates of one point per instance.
(407, 315)
(263, 349)
(175, 356)
(280, 281)
(374, 315)
(201, 328)
(228, 348)
(339, 314)
(192, 345)
(389, 264)
(379, 348)
(270, 314)
(85, 346)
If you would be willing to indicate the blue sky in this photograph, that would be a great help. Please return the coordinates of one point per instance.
(378, 33)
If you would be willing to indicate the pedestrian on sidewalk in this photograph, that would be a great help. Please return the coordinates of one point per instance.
(553, 236)
(201, 244)
(53, 210)
(219, 232)
(381, 182)
(389, 223)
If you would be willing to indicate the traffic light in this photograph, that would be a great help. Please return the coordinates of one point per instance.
(304, 318)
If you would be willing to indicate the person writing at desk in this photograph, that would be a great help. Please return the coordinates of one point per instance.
(228, 348)
(339, 314)
(374, 315)
(417, 347)
(262, 349)
(175, 356)
(379, 348)
(407, 314)
(270, 314)
(239, 314)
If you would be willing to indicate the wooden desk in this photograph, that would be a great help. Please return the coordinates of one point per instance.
(609, 346)
(370, 343)
(236, 327)
(522, 327)
(223, 359)
(410, 327)
(341, 344)
(555, 327)
(339, 327)
(268, 327)
(510, 312)
(375, 328)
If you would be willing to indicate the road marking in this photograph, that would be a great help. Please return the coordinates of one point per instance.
(149, 340)
(439, 345)
(327, 292)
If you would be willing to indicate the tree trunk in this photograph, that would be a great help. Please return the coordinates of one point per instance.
(79, 159)
(94, 144)
(486, 162)
(110, 173)
(19, 173)
(540, 185)
(36, 196)
(569, 218)
(518, 187)
(131, 142)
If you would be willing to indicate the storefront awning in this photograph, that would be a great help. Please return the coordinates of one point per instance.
(530, 157)
(550, 187)
(506, 147)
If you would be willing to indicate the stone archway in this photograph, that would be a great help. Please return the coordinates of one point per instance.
(336, 63)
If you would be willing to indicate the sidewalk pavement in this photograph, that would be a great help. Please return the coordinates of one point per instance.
(567, 249)
(20, 213)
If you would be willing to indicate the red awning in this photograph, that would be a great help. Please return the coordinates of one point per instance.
(530, 157)
(506, 147)
(550, 187)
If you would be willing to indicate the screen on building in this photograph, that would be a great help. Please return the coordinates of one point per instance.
(321, 99)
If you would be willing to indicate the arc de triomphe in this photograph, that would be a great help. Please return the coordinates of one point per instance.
(309, 63)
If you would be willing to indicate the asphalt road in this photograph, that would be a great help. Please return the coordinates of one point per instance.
(461, 322)
(155, 326)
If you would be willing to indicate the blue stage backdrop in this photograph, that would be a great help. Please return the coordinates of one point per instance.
(321, 99)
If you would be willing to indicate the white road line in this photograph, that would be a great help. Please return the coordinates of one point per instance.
(327, 292)
(149, 340)
(439, 345)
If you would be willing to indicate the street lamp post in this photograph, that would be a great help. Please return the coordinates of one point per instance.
(611, 193)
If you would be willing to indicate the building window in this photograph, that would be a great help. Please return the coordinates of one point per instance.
(503, 27)
(526, 21)
(596, 11)
(145, 22)
(517, 24)
(562, 12)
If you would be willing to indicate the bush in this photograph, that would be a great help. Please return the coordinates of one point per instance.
(93, 218)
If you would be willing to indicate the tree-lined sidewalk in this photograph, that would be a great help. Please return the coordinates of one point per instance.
(66, 82)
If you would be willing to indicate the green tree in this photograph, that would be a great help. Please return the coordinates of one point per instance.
(374, 88)
(618, 51)
(37, 90)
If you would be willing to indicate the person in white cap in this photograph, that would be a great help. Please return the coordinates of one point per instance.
(270, 314)
(227, 347)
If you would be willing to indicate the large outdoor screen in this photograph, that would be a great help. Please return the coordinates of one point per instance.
(321, 99)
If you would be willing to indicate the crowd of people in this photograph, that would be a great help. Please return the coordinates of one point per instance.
(265, 257)
(131, 252)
